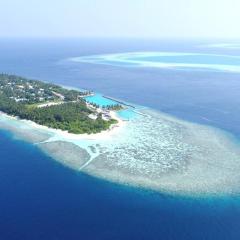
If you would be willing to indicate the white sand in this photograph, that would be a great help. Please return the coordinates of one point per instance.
(112, 131)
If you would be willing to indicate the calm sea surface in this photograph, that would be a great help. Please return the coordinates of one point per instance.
(41, 199)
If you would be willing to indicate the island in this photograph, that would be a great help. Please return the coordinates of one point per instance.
(53, 106)
(150, 149)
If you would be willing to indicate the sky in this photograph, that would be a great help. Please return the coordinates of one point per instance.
(120, 18)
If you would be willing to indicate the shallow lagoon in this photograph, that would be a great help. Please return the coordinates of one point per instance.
(100, 100)
(127, 113)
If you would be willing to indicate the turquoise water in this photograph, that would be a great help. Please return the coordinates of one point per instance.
(127, 114)
(100, 100)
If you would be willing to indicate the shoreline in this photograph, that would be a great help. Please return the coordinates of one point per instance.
(113, 130)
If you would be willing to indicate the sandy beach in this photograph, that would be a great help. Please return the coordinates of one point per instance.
(112, 131)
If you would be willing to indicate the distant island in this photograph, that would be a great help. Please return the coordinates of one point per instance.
(53, 106)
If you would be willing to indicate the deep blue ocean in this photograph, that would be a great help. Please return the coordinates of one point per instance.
(42, 199)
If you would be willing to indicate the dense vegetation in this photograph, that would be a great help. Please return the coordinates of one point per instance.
(115, 107)
(33, 91)
(70, 115)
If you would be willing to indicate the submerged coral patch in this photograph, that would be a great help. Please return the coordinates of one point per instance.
(152, 150)
(176, 60)
(163, 153)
